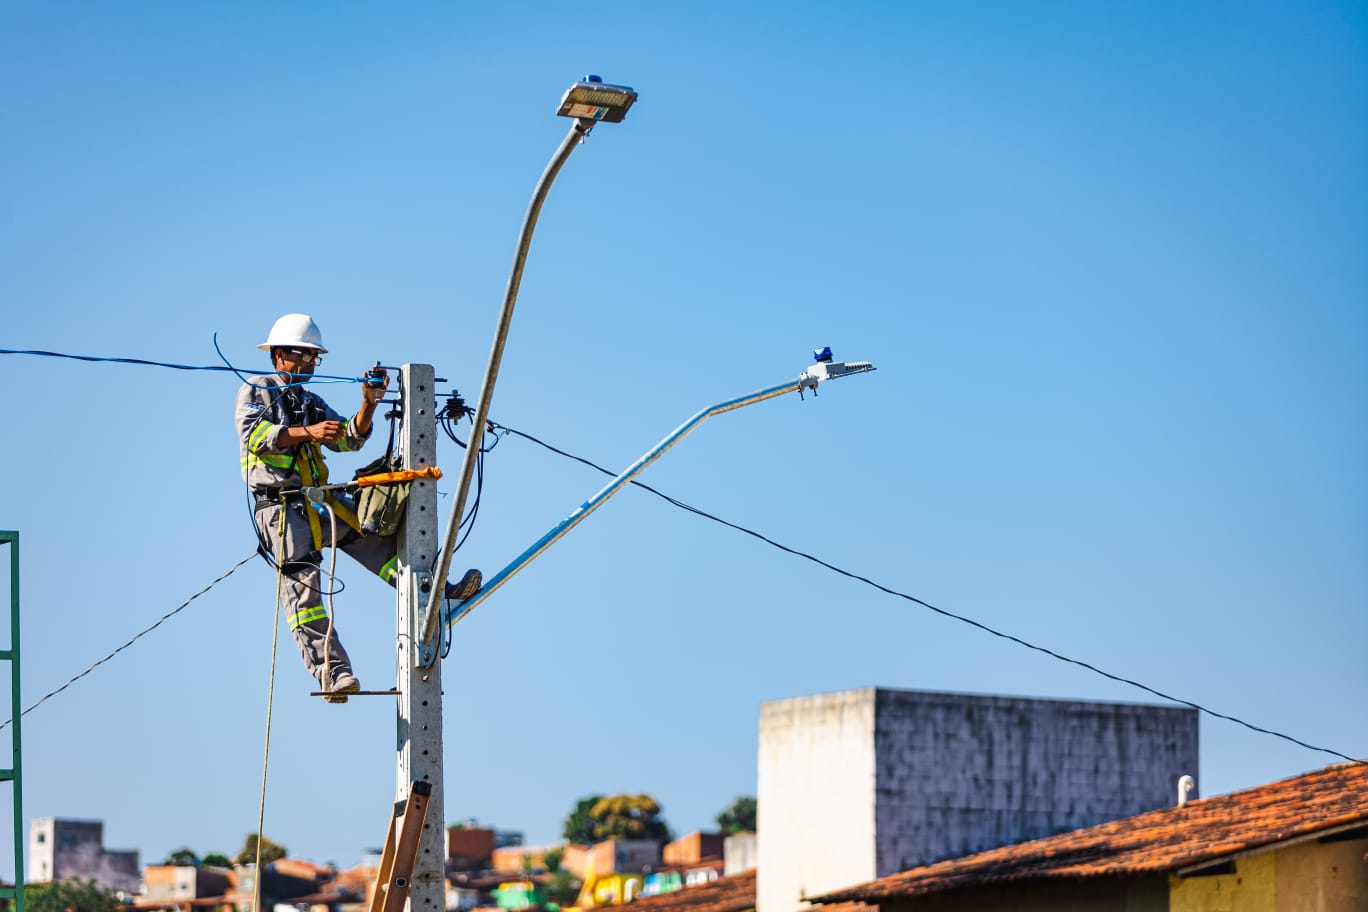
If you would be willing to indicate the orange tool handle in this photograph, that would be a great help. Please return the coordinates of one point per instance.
(394, 477)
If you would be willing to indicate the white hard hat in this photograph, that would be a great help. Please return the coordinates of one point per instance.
(294, 331)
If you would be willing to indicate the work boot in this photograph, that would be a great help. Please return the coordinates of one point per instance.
(342, 685)
(468, 586)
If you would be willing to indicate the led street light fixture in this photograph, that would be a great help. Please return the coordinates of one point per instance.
(827, 369)
(593, 99)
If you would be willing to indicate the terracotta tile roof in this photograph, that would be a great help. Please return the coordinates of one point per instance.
(726, 894)
(1168, 839)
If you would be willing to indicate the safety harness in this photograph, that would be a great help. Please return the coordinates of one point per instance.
(313, 472)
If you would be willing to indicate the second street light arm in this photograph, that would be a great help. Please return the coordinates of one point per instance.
(807, 380)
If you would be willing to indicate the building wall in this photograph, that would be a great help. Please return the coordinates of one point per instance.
(739, 852)
(1323, 877)
(865, 783)
(815, 795)
(1306, 877)
(470, 842)
(62, 849)
(168, 882)
(576, 859)
(959, 773)
(515, 859)
(1097, 895)
(693, 848)
(623, 855)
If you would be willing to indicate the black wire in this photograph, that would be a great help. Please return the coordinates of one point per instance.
(941, 611)
(136, 637)
(468, 521)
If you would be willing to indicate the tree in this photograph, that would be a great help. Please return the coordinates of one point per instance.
(217, 860)
(270, 851)
(739, 817)
(71, 896)
(562, 889)
(182, 857)
(553, 859)
(629, 817)
(579, 826)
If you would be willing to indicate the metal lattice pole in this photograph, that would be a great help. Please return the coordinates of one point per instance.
(15, 773)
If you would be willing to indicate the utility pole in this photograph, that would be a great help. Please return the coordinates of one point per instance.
(419, 721)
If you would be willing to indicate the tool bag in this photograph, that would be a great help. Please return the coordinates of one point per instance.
(380, 508)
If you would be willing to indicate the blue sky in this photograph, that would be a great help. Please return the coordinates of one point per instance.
(1108, 259)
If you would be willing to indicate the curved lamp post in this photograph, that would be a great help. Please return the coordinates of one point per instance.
(588, 102)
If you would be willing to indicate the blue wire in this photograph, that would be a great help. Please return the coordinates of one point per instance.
(322, 378)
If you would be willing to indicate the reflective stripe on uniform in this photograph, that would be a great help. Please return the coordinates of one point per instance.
(258, 435)
(274, 460)
(387, 571)
(308, 615)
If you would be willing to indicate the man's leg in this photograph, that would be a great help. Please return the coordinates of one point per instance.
(377, 554)
(302, 599)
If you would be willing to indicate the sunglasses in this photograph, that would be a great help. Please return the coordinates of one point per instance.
(302, 355)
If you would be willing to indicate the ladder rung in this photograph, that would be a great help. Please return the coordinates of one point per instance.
(6, 655)
(6, 775)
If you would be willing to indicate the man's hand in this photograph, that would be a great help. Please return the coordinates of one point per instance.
(373, 390)
(326, 431)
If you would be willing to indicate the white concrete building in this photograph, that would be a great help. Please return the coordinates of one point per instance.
(864, 783)
(62, 849)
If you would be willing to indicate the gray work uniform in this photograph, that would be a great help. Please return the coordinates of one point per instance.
(265, 406)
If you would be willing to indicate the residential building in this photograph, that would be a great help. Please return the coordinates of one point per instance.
(60, 849)
(516, 859)
(470, 848)
(739, 852)
(623, 855)
(865, 783)
(611, 856)
(725, 894)
(693, 848)
(286, 880)
(1297, 845)
(167, 883)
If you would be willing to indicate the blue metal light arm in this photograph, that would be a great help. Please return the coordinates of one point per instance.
(808, 379)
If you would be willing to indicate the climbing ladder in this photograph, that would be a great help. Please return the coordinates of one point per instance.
(14, 773)
(395, 876)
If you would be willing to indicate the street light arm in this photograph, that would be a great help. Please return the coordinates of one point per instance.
(806, 380)
(579, 129)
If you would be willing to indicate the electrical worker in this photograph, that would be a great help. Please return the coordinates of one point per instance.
(283, 429)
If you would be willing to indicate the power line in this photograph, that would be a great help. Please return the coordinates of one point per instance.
(683, 506)
(168, 364)
(137, 637)
(941, 611)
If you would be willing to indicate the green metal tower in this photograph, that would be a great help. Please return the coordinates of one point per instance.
(14, 773)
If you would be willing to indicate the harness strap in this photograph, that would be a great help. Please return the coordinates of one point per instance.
(314, 471)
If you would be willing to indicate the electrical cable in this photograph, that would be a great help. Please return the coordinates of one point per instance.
(448, 419)
(137, 637)
(321, 378)
(468, 524)
(941, 611)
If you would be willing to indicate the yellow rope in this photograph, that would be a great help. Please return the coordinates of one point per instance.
(270, 704)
